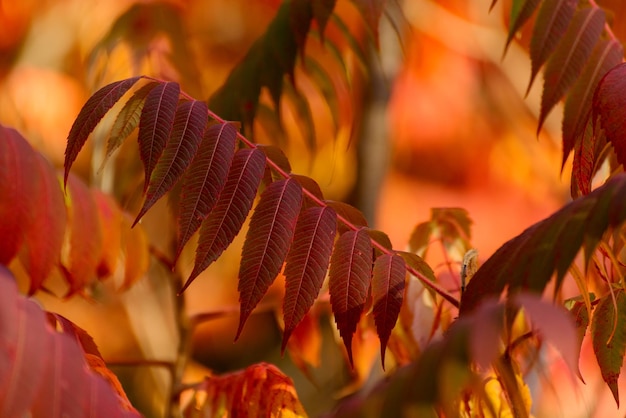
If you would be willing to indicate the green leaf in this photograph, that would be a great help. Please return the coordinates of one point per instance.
(608, 332)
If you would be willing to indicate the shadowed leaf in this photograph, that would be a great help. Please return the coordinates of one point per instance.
(521, 11)
(307, 263)
(551, 24)
(155, 125)
(609, 104)
(371, 10)
(608, 334)
(387, 291)
(267, 243)
(570, 57)
(322, 10)
(189, 123)
(231, 209)
(205, 178)
(92, 112)
(349, 280)
(349, 213)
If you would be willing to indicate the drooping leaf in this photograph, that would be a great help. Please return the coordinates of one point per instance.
(380, 238)
(83, 238)
(387, 291)
(583, 164)
(305, 343)
(302, 109)
(521, 11)
(420, 238)
(267, 243)
(307, 263)
(310, 185)
(347, 212)
(45, 232)
(607, 54)
(609, 105)
(325, 85)
(278, 157)
(111, 222)
(261, 390)
(300, 17)
(43, 371)
(231, 209)
(570, 57)
(189, 123)
(349, 279)
(552, 22)
(529, 260)
(581, 319)
(205, 178)
(371, 10)
(555, 325)
(322, 10)
(155, 125)
(128, 119)
(354, 44)
(17, 192)
(92, 112)
(608, 333)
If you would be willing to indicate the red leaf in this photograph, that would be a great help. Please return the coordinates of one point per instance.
(155, 125)
(84, 236)
(322, 10)
(519, 16)
(128, 118)
(45, 232)
(582, 167)
(609, 103)
(387, 291)
(607, 54)
(608, 327)
(349, 213)
(572, 53)
(349, 279)
(92, 112)
(17, 192)
(307, 263)
(552, 21)
(555, 325)
(231, 209)
(189, 123)
(43, 372)
(267, 243)
(205, 178)
(300, 16)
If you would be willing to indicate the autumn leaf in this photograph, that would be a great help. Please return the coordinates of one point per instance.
(609, 103)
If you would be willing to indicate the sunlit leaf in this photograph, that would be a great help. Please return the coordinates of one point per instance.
(111, 222)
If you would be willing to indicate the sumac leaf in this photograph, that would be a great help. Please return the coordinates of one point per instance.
(307, 263)
(205, 178)
(552, 22)
(92, 112)
(227, 217)
(608, 334)
(349, 280)
(609, 104)
(267, 243)
(189, 123)
(521, 11)
(349, 213)
(155, 125)
(570, 57)
(387, 291)
(322, 10)
(607, 54)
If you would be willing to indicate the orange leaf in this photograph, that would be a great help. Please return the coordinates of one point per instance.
(135, 243)
(111, 221)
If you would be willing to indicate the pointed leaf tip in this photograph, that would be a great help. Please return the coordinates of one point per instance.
(609, 104)
(349, 279)
(231, 210)
(388, 283)
(267, 242)
(90, 115)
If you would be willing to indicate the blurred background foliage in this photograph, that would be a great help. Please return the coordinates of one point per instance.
(434, 117)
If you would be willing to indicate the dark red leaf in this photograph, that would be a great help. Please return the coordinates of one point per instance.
(205, 178)
(231, 209)
(608, 333)
(607, 54)
(92, 112)
(189, 123)
(371, 10)
(609, 104)
(570, 57)
(581, 319)
(307, 263)
(17, 192)
(322, 10)
(552, 22)
(387, 291)
(349, 213)
(349, 280)
(311, 186)
(582, 167)
(267, 243)
(45, 232)
(155, 125)
(300, 16)
(529, 260)
(128, 118)
(85, 236)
